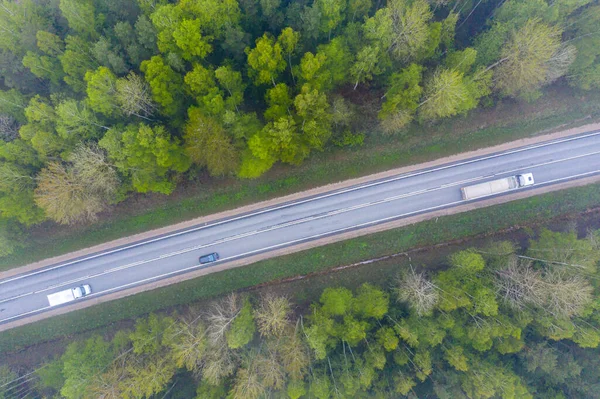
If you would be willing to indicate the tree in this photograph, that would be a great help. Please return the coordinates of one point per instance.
(265, 60)
(166, 84)
(338, 61)
(366, 65)
(134, 97)
(371, 302)
(404, 92)
(279, 102)
(78, 192)
(189, 39)
(82, 362)
(272, 315)
(147, 376)
(44, 67)
(76, 122)
(336, 301)
(207, 144)
(76, 61)
(584, 72)
(233, 84)
(332, 14)
(449, 93)
(288, 40)
(101, 91)
(149, 156)
(151, 334)
(242, 327)
(564, 252)
(188, 344)
(246, 385)
(80, 15)
(278, 140)
(312, 109)
(7, 376)
(524, 58)
(401, 28)
(416, 290)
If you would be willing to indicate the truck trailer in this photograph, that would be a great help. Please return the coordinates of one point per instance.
(59, 298)
(496, 186)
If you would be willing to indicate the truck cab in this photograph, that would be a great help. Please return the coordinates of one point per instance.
(526, 179)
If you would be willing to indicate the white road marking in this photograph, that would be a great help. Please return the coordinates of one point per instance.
(266, 210)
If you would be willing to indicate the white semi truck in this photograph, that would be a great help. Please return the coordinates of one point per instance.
(58, 298)
(497, 186)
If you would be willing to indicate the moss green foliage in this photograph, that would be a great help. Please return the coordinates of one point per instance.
(244, 85)
(367, 342)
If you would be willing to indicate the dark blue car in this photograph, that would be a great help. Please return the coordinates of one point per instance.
(209, 258)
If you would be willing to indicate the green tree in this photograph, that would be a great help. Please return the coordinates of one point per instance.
(44, 67)
(279, 102)
(189, 39)
(101, 91)
(233, 84)
(151, 334)
(332, 14)
(366, 65)
(166, 84)
(584, 72)
(279, 141)
(403, 94)
(449, 92)
(207, 144)
(288, 40)
(242, 327)
(523, 63)
(312, 109)
(336, 301)
(80, 15)
(371, 302)
(148, 155)
(338, 61)
(76, 61)
(76, 122)
(82, 362)
(265, 60)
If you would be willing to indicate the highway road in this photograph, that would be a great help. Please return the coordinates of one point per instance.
(307, 219)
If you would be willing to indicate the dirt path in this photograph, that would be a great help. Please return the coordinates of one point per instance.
(303, 246)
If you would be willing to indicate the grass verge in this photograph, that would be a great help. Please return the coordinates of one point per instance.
(504, 123)
(482, 221)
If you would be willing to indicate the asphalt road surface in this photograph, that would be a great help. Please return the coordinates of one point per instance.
(292, 223)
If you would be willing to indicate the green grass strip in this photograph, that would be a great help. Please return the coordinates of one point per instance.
(481, 221)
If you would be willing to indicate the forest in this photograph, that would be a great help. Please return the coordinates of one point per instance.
(491, 322)
(102, 99)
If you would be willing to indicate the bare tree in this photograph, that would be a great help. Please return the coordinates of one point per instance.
(219, 363)
(416, 290)
(9, 128)
(77, 192)
(134, 96)
(558, 65)
(269, 368)
(560, 294)
(220, 316)
(247, 385)
(272, 315)
(188, 344)
(294, 353)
